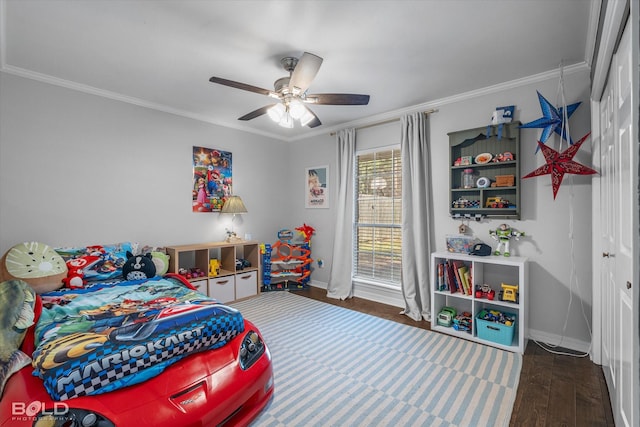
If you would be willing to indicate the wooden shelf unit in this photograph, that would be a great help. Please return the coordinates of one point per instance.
(492, 270)
(471, 143)
(230, 284)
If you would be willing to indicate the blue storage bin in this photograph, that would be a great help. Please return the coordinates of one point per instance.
(494, 331)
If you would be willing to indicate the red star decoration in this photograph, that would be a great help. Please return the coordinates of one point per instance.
(560, 163)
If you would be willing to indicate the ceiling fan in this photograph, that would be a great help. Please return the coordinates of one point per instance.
(291, 91)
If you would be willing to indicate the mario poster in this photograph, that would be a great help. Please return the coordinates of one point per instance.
(212, 179)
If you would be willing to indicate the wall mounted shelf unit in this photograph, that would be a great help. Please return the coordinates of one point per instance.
(469, 145)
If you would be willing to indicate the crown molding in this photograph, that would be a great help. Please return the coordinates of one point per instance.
(434, 105)
(390, 115)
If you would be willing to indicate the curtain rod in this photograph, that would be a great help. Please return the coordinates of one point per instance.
(384, 122)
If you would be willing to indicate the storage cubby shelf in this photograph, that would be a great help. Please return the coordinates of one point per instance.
(230, 283)
(490, 270)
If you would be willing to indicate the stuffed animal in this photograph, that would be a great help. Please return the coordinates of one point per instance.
(161, 260)
(36, 263)
(138, 267)
(75, 275)
(17, 301)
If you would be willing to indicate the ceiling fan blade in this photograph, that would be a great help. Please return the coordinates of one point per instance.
(337, 99)
(305, 71)
(315, 121)
(256, 113)
(242, 86)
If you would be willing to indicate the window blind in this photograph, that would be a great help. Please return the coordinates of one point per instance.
(377, 216)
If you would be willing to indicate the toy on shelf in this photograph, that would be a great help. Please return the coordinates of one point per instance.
(463, 322)
(446, 315)
(463, 203)
(214, 267)
(497, 203)
(503, 234)
(499, 117)
(191, 273)
(504, 181)
(497, 317)
(485, 291)
(242, 263)
(507, 156)
(509, 293)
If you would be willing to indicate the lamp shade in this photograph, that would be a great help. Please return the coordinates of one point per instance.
(233, 205)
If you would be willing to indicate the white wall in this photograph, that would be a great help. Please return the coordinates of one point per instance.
(79, 169)
(546, 221)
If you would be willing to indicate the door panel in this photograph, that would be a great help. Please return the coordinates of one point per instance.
(607, 216)
(623, 272)
(617, 204)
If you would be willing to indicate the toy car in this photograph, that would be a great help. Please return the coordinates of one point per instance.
(241, 264)
(509, 293)
(485, 291)
(496, 202)
(446, 315)
(463, 322)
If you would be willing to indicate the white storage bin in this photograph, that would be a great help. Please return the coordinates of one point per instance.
(200, 285)
(222, 288)
(246, 284)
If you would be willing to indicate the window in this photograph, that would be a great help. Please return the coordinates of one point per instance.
(377, 217)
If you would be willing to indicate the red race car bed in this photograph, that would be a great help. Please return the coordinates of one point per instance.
(155, 351)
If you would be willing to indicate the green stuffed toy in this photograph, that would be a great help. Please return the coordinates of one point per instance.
(17, 300)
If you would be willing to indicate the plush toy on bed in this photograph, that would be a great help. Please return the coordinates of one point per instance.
(17, 300)
(138, 267)
(36, 263)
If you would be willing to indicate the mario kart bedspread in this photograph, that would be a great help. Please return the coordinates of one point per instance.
(94, 340)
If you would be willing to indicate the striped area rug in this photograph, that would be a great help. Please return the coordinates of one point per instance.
(339, 367)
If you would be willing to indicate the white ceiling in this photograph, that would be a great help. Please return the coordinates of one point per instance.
(405, 54)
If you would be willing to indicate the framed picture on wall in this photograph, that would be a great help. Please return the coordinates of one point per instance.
(317, 193)
(212, 179)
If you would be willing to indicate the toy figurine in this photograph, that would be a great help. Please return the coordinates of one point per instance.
(503, 234)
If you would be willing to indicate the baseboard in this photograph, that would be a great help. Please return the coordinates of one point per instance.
(566, 342)
(371, 292)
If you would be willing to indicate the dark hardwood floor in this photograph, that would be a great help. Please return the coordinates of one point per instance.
(554, 390)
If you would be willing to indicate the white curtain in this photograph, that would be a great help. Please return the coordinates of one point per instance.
(340, 284)
(416, 216)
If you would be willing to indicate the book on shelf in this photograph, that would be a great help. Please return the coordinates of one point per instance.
(441, 282)
(462, 274)
(451, 278)
(469, 279)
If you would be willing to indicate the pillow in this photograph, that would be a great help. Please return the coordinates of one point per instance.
(35, 263)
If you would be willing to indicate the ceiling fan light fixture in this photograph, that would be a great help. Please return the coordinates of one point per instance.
(286, 121)
(276, 112)
(291, 92)
(297, 109)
